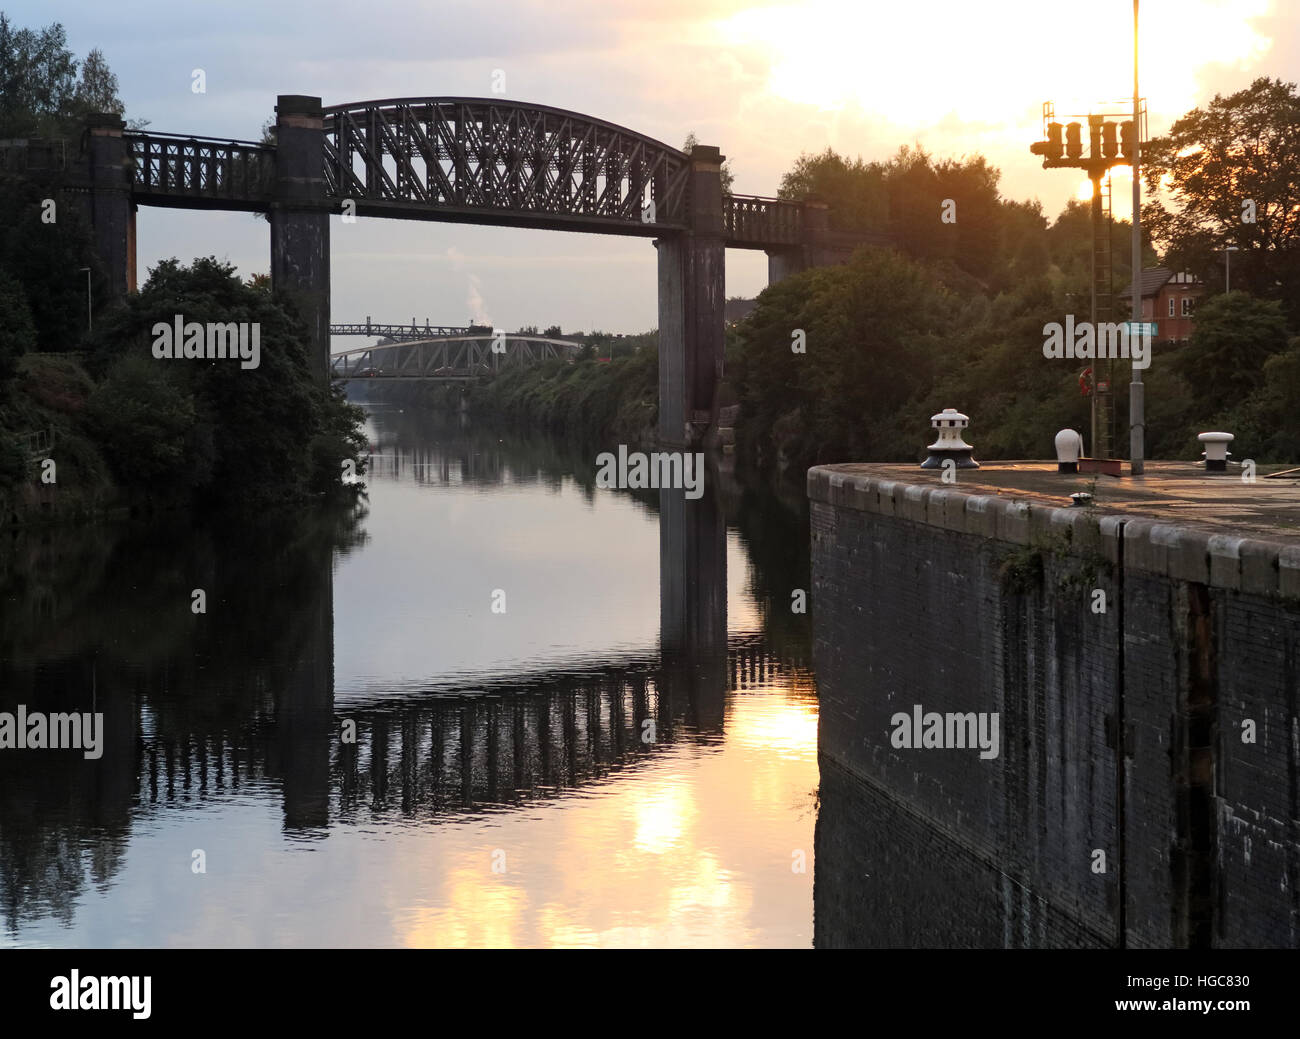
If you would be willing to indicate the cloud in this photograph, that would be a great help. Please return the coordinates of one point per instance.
(763, 81)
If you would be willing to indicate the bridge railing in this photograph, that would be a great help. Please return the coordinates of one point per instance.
(399, 331)
(201, 167)
(753, 219)
(36, 445)
(23, 154)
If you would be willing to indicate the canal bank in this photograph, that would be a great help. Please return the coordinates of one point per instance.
(1141, 655)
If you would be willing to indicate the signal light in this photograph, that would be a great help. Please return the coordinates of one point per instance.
(1108, 148)
(1127, 139)
(1073, 141)
(1053, 140)
(1051, 148)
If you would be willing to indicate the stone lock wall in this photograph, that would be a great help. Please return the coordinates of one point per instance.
(963, 602)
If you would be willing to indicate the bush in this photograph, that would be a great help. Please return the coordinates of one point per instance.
(17, 330)
(145, 425)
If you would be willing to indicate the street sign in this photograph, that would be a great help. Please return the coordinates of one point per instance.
(1138, 327)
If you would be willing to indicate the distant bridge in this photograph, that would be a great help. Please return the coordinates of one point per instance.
(411, 331)
(456, 358)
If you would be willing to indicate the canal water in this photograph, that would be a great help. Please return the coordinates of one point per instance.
(496, 706)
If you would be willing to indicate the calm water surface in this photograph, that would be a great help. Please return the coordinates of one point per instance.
(503, 639)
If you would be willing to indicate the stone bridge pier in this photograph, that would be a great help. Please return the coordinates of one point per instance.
(109, 208)
(819, 246)
(300, 222)
(692, 300)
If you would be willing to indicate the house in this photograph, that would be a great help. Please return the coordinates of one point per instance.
(1169, 300)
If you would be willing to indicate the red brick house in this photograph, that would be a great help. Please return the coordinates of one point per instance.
(1169, 300)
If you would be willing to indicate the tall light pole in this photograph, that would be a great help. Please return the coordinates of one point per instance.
(89, 325)
(1137, 391)
(1227, 251)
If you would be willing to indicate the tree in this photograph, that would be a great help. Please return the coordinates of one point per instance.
(17, 330)
(145, 424)
(47, 260)
(39, 78)
(258, 435)
(855, 191)
(97, 89)
(40, 93)
(875, 330)
(949, 211)
(1234, 337)
(1237, 157)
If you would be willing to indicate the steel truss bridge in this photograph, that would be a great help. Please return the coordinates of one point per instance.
(464, 160)
(457, 358)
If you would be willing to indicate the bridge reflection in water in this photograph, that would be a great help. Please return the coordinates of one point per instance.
(452, 751)
(240, 706)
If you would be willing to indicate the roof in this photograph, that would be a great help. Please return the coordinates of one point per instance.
(1155, 278)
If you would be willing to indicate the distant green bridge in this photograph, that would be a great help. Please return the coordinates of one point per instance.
(449, 358)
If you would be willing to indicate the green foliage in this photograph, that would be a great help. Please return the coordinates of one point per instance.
(145, 423)
(17, 330)
(956, 318)
(38, 79)
(258, 436)
(854, 190)
(999, 243)
(57, 384)
(339, 438)
(1235, 374)
(1268, 419)
(1239, 147)
(1078, 571)
(907, 197)
(46, 259)
(1021, 570)
(97, 88)
(13, 463)
(40, 92)
(871, 329)
(1233, 338)
(586, 400)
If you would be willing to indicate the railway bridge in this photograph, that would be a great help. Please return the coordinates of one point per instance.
(463, 160)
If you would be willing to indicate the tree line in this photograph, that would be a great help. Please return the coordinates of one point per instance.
(954, 316)
(129, 429)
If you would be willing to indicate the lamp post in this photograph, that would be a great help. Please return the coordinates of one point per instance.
(1137, 391)
(1227, 251)
(89, 320)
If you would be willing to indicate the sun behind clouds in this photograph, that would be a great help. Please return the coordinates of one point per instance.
(918, 63)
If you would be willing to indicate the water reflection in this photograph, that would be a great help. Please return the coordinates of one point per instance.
(367, 754)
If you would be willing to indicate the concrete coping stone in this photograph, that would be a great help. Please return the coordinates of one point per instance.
(1183, 550)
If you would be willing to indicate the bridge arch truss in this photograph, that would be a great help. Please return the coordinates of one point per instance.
(484, 161)
(449, 358)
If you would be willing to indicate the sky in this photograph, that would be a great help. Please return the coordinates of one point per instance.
(765, 82)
